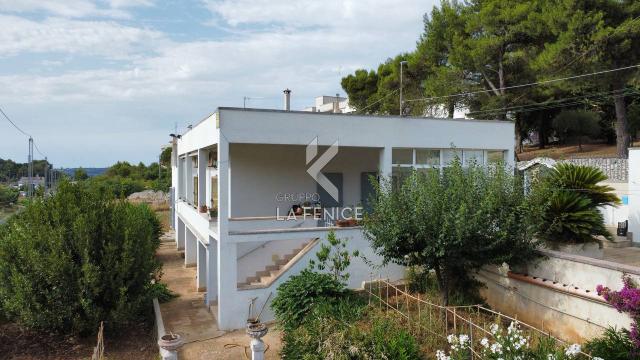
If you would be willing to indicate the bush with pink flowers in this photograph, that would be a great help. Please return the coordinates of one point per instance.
(626, 300)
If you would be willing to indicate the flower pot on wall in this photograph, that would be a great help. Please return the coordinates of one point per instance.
(203, 209)
(591, 249)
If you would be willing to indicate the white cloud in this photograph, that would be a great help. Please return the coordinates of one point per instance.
(59, 35)
(299, 45)
(374, 15)
(65, 8)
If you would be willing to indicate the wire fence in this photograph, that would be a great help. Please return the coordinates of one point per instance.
(433, 322)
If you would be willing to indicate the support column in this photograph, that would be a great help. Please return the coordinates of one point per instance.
(385, 167)
(203, 159)
(227, 251)
(189, 180)
(181, 179)
(180, 235)
(212, 272)
(634, 193)
(201, 269)
(227, 286)
(190, 248)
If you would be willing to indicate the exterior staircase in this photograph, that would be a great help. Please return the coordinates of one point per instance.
(280, 265)
(618, 241)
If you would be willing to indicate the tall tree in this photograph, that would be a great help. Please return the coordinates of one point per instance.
(593, 36)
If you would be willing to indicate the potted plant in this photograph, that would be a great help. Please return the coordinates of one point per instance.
(213, 212)
(202, 209)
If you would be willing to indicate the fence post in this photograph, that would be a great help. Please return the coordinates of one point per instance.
(455, 328)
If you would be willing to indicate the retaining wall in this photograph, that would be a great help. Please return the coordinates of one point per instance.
(565, 304)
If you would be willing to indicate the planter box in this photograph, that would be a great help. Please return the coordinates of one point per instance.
(592, 249)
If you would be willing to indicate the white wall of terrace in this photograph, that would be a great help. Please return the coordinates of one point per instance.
(299, 128)
(202, 135)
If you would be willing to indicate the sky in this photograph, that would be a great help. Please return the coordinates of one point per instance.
(98, 81)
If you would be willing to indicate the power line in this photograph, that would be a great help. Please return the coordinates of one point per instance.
(38, 149)
(14, 124)
(22, 131)
(548, 107)
(529, 84)
(603, 94)
(377, 101)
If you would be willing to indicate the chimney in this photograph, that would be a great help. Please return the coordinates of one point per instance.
(336, 104)
(287, 100)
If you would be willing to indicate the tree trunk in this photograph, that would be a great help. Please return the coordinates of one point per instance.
(451, 109)
(443, 285)
(542, 136)
(622, 129)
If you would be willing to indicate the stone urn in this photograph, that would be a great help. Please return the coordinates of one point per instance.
(256, 330)
(169, 345)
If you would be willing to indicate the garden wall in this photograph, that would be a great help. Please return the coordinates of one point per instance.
(557, 294)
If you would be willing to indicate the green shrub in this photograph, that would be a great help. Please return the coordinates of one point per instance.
(612, 345)
(296, 296)
(120, 187)
(326, 337)
(570, 196)
(76, 258)
(8, 195)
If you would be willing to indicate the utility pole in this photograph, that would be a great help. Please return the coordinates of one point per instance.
(46, 168)
(401, 100)
(30, 168)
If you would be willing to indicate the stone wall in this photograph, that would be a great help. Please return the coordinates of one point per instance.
(615, 168)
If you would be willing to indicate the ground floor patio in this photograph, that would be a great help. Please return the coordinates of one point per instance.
(189, 316)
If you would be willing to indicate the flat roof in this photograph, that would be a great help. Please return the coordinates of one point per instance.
(354, 114)
(311, 113)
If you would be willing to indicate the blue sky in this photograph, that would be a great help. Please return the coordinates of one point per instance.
(100, 81)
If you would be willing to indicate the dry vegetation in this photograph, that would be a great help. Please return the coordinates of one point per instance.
(560, 152)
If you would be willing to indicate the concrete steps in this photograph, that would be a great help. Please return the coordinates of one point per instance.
(271, 272)
(618, 241)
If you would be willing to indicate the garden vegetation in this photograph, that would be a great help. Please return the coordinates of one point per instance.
(79, 257)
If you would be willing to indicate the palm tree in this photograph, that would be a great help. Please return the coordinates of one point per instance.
(571, 197)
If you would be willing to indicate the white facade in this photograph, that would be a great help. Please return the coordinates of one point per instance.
(251, 165)
(634, 194)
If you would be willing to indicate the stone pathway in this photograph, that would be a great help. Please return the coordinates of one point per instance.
(188, 316)
(627, 256)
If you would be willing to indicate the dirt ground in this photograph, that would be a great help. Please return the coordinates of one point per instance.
(560, 152)
(16, 343)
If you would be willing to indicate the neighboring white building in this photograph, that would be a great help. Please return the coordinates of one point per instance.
(331, 104)
(634, 194)
(35, 181)
(254, 165)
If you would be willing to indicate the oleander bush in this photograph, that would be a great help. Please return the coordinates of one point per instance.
(612, 345)
(79, 257)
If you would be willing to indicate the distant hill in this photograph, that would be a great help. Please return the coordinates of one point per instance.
(90, 171)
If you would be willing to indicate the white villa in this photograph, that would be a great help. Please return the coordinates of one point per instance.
(253, 167)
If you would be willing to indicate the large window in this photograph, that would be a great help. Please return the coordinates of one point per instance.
(425, 160)
(495, 156)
